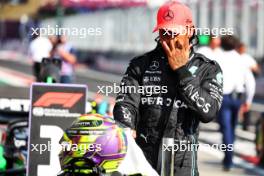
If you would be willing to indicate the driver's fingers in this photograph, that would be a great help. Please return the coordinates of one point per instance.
(166, 48)
(187, 44)
(172, 45)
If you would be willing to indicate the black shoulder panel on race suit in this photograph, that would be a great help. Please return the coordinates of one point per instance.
(201, 91)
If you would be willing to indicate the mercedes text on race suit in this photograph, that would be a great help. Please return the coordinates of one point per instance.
(194, 94)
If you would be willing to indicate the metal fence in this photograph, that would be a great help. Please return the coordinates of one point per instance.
(126, 30)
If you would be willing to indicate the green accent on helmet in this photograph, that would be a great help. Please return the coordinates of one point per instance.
(109, 165)
(204, 39)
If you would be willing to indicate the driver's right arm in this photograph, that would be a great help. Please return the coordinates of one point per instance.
(127, 103)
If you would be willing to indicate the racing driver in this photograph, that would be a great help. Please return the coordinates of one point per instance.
(194, 90)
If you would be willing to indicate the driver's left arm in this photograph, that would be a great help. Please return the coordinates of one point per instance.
(202, 95)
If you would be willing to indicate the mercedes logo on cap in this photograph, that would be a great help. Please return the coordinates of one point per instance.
(168, 15)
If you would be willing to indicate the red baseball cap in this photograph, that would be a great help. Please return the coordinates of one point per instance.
(174, 16)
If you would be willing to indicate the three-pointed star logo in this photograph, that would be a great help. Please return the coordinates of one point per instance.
(154, 65)
(168, 15)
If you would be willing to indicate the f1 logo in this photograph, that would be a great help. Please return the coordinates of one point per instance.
(67, 100)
